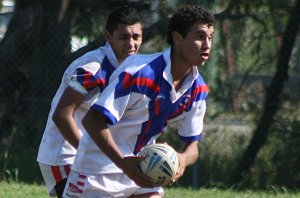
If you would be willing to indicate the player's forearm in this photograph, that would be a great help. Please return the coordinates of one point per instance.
(67, 127)
(96, 126)
(106, 143)
(63, 115)
(190, 153)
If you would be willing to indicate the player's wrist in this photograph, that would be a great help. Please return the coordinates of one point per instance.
(120, 162)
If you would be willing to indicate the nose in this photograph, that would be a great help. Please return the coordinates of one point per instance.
(131, 43)
(206, 43)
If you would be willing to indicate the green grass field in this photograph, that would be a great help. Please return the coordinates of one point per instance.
(21, 190)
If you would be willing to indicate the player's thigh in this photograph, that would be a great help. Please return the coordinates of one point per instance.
(155, 192)
(106, 185)
(83, 185)
(53, 175)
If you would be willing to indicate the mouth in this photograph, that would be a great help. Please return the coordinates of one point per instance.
(205, 55)
(131, 52)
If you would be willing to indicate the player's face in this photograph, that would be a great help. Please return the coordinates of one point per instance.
(195, 47)
(125, 40)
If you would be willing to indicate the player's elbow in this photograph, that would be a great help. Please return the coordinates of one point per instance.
(93, 121)
(197, 155)
(87, 121)
(84, 121)
(57, 117)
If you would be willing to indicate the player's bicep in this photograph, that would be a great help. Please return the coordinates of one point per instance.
(70, 97)
(68, 103)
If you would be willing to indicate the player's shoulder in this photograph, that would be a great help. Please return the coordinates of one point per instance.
(143, 58)
(91, 56)
(138, 61)
(135, 63)
(90, 61)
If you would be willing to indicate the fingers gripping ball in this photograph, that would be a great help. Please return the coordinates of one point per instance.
(160, 163)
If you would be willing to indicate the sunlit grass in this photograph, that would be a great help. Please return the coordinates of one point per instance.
(229, 193)
(21, 190)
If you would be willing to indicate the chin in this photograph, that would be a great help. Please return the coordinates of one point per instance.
(201, 64)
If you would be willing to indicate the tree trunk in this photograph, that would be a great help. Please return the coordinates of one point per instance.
(272, 102)
(32, 55)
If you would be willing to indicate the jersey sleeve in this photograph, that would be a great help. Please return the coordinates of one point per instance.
(115, 98)
(86, 78)
(75, 85)
(191, 126)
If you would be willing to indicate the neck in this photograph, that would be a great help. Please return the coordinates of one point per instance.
(179, 67)
(179, 70)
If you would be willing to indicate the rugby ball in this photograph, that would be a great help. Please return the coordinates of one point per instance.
(160, 163)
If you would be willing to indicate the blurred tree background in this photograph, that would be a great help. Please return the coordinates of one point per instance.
(251, 137)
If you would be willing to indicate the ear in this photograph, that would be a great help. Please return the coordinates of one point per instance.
(177, 38)
(108, 36)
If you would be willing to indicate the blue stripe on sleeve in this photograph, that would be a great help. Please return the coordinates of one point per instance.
(191, 138)
(110, 117)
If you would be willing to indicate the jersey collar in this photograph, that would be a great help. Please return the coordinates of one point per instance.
(192, 75)
(111, 55)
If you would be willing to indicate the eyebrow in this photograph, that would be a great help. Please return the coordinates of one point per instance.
(203, 32)
(126, 34)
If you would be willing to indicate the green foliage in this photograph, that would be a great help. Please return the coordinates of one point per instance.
(278, 162)
(218, 153)
(89, 23)
(223, 142)
(5, 173)
(20, 165)
(18, 162)
(246, 43)
(220, 148)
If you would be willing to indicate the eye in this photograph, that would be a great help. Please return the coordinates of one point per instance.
(200, 36)
(136, 37)
(124, 37)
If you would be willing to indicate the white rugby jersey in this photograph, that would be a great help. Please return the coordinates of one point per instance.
(138, 103)
(87, 75)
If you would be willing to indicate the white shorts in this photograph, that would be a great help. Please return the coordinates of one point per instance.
(53, 175)
(104, 185)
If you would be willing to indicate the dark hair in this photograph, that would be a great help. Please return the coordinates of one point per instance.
(185, 18)
(122, 15)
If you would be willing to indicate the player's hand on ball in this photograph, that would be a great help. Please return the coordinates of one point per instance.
(130, 168)
(181, 168)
